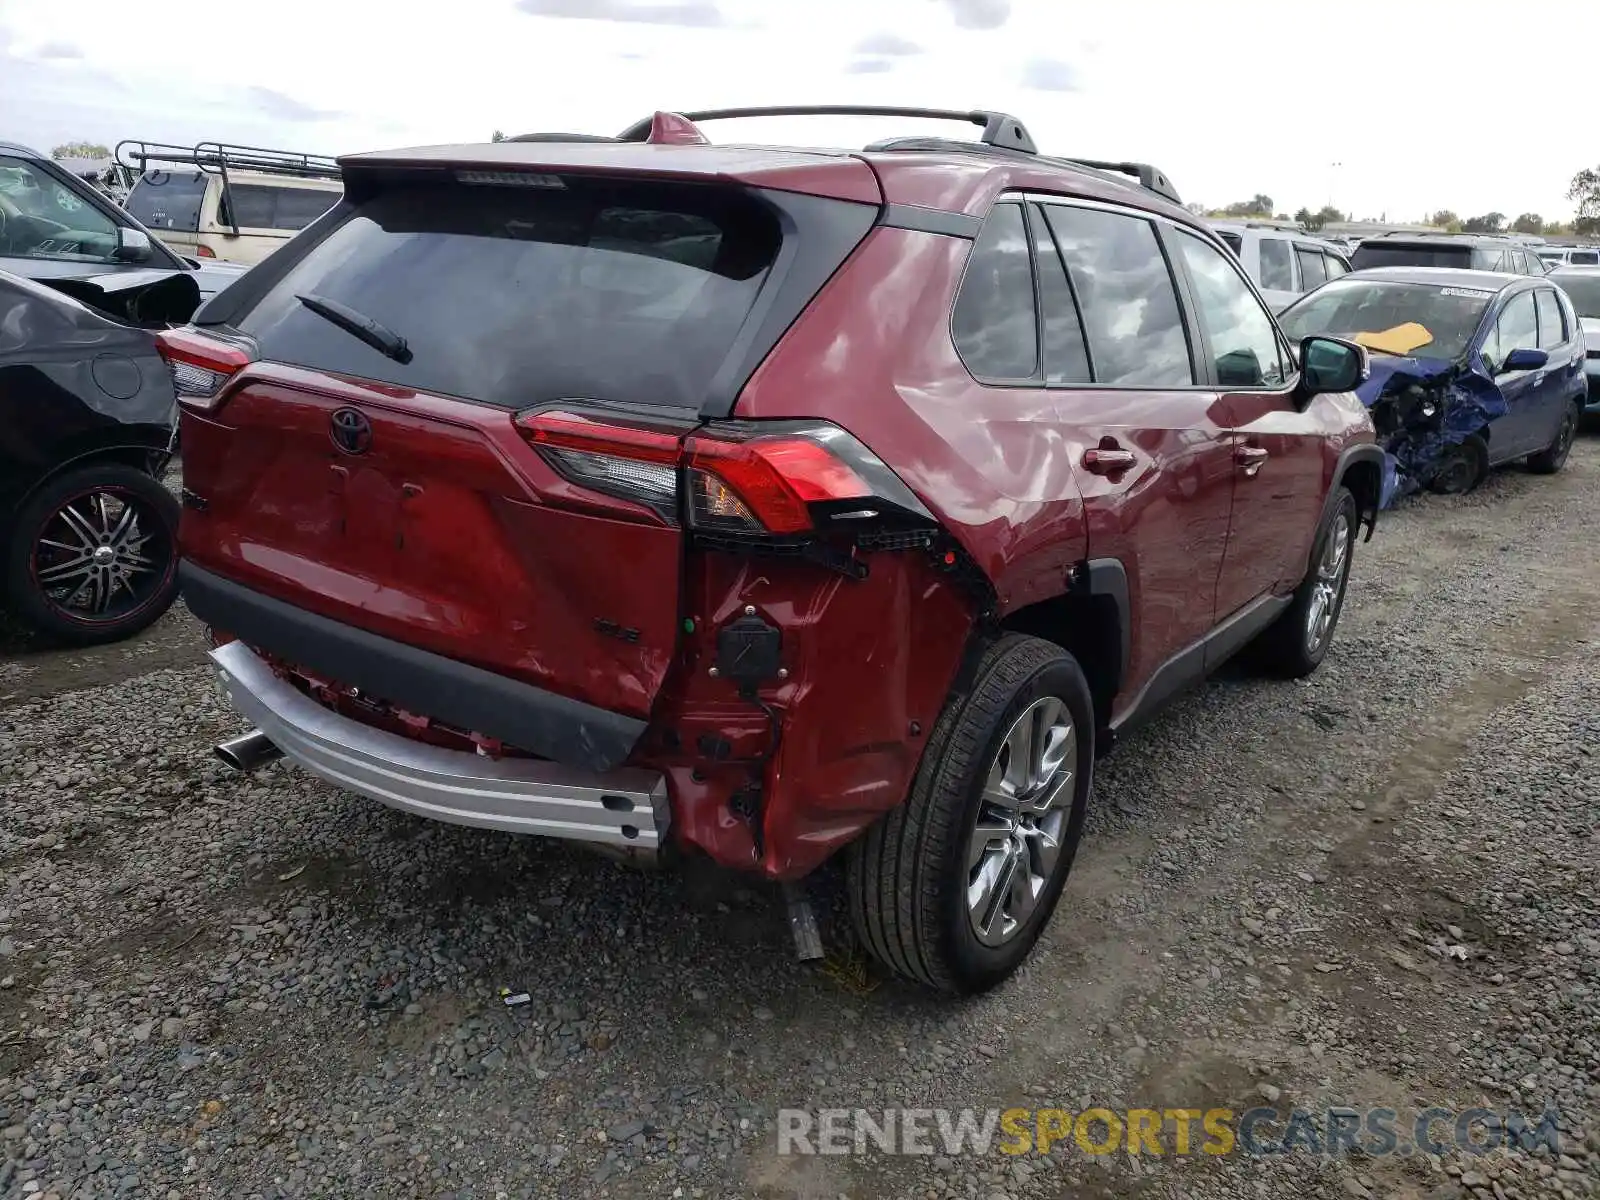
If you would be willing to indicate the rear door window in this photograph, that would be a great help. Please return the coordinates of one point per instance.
(995, 324)
(600, 288)
(1584, 258)
(1125, 291)
(1552, 329)
(1276, 273)
(1312, 273)
(168, 200)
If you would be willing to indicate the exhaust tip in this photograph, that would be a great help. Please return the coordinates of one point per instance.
(247, 751)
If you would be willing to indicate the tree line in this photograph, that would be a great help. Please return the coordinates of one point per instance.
(1584, 191)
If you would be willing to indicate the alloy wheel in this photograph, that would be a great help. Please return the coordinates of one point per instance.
(101, 556)
(1329, 583)
(1022, 818)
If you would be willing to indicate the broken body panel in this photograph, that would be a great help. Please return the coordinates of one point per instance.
(77, 380)
(1420, 408)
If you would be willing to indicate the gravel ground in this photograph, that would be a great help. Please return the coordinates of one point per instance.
(1378, 887)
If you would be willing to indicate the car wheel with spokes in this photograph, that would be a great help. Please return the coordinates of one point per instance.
(953, 888)
(93, 554)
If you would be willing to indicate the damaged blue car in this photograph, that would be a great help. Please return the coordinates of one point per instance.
(1470, 369)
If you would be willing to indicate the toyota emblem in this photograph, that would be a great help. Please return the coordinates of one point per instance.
(351, 431)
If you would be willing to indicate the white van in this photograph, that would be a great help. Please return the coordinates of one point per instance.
(235, 203)
(1284, 261)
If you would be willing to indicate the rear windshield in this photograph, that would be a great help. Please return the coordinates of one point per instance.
(1424, 319)
(168, 199)
(1583, 290)
(514, 295)
(1381, 254)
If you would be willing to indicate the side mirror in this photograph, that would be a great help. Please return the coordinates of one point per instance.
(1331, 365)
(133, 246)
(1524, 360)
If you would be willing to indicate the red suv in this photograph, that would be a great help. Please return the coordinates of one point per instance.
(759, 502)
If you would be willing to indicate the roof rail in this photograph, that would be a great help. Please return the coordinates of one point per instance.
(1149, 178)
(217, 158)
(999, 129)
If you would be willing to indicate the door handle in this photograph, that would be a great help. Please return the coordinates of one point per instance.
(1100, 460)
(1250, 459)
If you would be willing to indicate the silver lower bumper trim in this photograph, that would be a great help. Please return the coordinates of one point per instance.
(625, 808)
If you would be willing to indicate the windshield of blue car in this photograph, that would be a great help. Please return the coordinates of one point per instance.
(41, 217)
(1349, 308)
(1583, 290)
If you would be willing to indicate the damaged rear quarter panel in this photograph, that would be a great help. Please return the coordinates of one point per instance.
(869, 662)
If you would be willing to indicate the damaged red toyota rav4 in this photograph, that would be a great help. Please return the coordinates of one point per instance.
(759, 503)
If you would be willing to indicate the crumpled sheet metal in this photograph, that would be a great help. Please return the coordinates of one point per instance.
(1400, 393)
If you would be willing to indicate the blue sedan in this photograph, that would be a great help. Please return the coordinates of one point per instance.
(1470, 369)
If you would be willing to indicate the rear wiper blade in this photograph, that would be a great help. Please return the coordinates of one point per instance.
(380, 337)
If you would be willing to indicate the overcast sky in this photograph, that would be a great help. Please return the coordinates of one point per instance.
(1423, 104)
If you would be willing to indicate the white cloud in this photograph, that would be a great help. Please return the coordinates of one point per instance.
(1227, 103)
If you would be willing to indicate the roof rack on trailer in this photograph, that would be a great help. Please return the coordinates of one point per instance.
(217, 158)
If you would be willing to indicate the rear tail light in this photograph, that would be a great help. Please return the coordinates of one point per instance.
(749, 478)
(201, 364)
(204, 252)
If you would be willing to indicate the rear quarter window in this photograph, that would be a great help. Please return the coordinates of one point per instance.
(994, 323)
(515, 296)
(257, 206)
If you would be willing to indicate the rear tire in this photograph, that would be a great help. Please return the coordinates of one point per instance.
(1461, 468)
(953, 888)
(53, 568)
(1294, 645)
(1554, 456)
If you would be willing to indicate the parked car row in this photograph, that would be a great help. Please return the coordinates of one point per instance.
(780, 504)
(1477, 364)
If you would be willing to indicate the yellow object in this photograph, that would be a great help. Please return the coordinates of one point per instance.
(1402, 339)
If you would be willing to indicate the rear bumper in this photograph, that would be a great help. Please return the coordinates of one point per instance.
(627, 808)
(471, 699)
